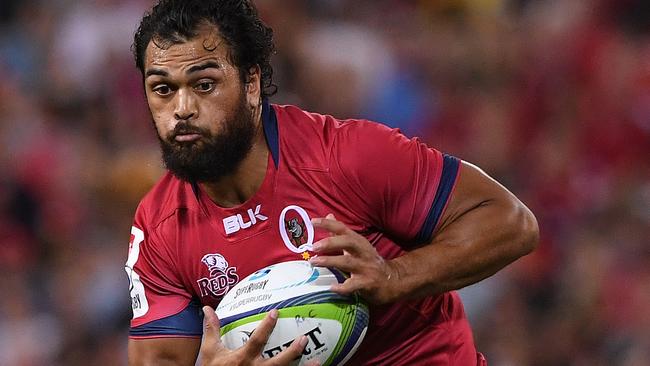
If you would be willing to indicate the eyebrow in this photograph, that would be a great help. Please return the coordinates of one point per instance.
(193, 69)
(151, 72)
(204, 66)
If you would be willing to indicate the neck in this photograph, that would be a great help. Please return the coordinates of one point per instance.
(239, 187)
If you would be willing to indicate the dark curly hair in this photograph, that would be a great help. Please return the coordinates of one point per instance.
(175, 21)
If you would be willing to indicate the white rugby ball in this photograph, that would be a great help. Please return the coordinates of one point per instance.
(334, 324)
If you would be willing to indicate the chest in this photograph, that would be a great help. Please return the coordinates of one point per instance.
(215, 250)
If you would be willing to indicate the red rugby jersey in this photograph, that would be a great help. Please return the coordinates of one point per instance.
(186, 251)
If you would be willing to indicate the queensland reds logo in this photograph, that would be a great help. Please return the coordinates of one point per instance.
(222, 276)
(296, 229)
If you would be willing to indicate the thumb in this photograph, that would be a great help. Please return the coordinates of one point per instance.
(330, 216)
(211, 341)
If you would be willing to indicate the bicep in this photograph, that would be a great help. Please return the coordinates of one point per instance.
(163, 351)
(475, 189)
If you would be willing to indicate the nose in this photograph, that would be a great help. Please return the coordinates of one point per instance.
(186, 107)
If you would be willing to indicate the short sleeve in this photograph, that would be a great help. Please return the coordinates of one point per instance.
(400, 185)
(162, 307)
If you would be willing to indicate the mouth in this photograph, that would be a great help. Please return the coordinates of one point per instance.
(187, 137)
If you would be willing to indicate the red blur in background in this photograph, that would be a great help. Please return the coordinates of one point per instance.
(552, 98)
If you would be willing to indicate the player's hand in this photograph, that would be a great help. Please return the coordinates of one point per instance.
(371, 276)
(214, 353)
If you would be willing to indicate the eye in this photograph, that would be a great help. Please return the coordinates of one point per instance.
(162, 90)
(205, 86)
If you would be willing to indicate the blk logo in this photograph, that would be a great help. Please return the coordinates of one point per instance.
(234, 223)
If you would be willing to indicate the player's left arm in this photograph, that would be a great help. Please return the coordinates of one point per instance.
(483, 228)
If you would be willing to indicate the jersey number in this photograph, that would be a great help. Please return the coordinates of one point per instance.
(139, 301)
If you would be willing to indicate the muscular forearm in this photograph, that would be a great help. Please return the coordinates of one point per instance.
(472, 247)
(484, 229)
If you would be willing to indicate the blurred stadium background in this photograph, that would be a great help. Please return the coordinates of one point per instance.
(550, 97)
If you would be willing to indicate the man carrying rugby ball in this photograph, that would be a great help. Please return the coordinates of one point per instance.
(251, 183)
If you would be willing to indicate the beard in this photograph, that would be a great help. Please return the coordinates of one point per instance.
(213, 156)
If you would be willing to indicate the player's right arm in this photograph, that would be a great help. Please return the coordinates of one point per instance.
(179, 351)
(167, 325)
(214, 353)
(163, 351)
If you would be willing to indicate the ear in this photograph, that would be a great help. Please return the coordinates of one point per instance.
(254, 86)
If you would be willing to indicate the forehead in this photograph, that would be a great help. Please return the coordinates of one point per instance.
(207, 44)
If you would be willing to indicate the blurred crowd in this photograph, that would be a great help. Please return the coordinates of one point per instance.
(551, 97)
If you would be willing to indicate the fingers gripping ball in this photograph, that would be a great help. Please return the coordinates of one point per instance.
(334, 324)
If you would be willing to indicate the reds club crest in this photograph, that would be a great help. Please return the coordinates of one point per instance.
(222, 276)
(296, 230)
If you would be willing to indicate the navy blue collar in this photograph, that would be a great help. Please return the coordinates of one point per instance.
(270, 123)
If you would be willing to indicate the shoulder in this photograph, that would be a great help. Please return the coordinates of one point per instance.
(299, 122)
(312, 138)
(164, 199)
(368, 145)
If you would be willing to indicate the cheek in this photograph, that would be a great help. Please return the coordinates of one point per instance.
(160, 118)
(161, 127)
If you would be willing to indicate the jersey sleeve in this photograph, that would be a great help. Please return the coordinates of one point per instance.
(161, 306)
(400, 185)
